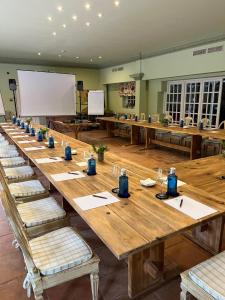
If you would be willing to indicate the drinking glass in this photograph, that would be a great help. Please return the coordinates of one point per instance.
(161, 179)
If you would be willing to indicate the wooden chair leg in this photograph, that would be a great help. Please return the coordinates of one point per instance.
(184, 295)
(94, 285)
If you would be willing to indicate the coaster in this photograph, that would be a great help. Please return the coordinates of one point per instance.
(162, 196)
(122, 196)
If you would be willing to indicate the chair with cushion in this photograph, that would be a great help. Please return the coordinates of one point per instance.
(21, 173)
(206, 280)
(222, 124)
(188, 121)
(12, 162)
(54, 258)
(7, 153)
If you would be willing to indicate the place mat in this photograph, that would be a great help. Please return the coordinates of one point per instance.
(67, 176)
(26, 141)
(20, 136)
(190, 207)
(35, 148)
(47, 160)
(7, 126)
(90, 202)
(10, 129)
(82, 164)
(16, 132)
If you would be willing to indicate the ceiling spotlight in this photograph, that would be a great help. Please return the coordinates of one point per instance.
(50, 19)
(100, 57)
(87, 6)
(60, 8)
(63, 51)
(74, 17)
(39, 53)
(59, 55)
(88, 24)
(77, 57)
(54, 33)
(117, 3)
(64, 25)
(91, 60)
(99, 15)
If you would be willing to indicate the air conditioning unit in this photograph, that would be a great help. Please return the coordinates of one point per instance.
(137, 76)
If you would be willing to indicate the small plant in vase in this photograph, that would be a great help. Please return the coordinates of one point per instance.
(44, 131)
(100, 150)
(164, 121)
(28, 120)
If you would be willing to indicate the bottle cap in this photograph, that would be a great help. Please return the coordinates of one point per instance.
(123, 171)
(172, 170)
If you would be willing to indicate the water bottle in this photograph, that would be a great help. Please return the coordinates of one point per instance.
(181, 123)
(172, 183)
(14, 119)
(149, 119)
(32, 131)
(51, 142)
(18, 122)
(136, 118)
(91, 166)
(27, 129)
(22, 125)
(123, 185)
(40, 136)
(200, 125)
(68, 152)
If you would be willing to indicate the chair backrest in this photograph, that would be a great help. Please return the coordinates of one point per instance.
(61, 127)
(222, 124)
(206, 122)
(155, 118)
(142, 117)
(168, 117)
(188, 121)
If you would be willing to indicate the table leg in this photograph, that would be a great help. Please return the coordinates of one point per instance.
(135, 135)
(196, 146)
(149, 136)
(109, 128)
(148, 269)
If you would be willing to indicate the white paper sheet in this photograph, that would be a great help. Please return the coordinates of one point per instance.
(5, 123)
(48, 160)
(10, 129)
(82, 164)
(191, 207)
(90, 202)
(20, 136)
(67, 176)
(26, 141)
(34, 148)
(7, 126)
(16, 132)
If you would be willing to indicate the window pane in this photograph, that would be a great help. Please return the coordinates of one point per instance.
(217, 86)
(206, 87)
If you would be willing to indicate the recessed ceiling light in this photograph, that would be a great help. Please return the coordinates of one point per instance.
(99, 15)
(117, 3)
(50, 18)
(91, 60)
(77, 57)
(74, 17)
(88, 24)
(59, 55)
(100, 57)
(54, 33)
(63, 51)
(64, 25)
(60, 8)
(39, 53)
(87, 6)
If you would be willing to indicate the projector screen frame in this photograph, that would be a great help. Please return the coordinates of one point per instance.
(2, 104)
(46, 115)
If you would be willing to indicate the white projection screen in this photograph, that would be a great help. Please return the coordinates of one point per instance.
(96, 103)
(46, 94)
(2, 110)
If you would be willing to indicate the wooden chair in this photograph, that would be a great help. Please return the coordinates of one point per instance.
(214, 144)
(205, 281)
(206, 122)
(54, 258)
(222, 124)
(143, 117)
(155, 118)
(18, 174)
(188, 121)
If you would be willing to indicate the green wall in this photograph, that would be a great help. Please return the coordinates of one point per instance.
(90, 77)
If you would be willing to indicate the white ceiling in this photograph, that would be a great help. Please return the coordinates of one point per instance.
(149, 26)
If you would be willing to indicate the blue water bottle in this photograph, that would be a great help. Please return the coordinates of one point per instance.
(40, 136)
(201, 126)
(68, 152)
(181, 123)
(172, 183)
(18, 122)
(51, 142)
(27, 128)
(123, 185)
(32, 131)
(22, 125)
(91, 166)
(149, 119)
(14, 119)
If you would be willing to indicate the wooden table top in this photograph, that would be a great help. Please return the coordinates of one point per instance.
(214, 133)
(204, 173)
(129, 225)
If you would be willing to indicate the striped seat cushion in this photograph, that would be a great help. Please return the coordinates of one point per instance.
(7, 147)
(26, 188)
(40, 212)
(3, 142)
(210, 276)
(19, 172)
(8, 153)
(59, 250)
(12, 162)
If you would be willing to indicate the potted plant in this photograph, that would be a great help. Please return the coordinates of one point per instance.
(164, 121)
(44, 131)
(28, 120)
(100, 150)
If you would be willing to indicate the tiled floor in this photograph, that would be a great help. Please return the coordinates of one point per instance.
(113, 273)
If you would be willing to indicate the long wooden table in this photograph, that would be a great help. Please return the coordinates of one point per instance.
(150, 129)
(136, 228)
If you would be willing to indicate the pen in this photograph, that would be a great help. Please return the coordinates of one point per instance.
(54, 158)
(73, 173)
(99, 197)
(181, 202)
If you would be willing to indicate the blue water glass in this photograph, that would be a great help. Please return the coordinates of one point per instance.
(40, 136)
(68, 153)
(51, 142)
(91, 166)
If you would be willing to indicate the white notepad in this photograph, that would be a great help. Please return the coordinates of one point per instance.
(82, 164)
(191, 207)
(9, 129)
(26, 141)
(16, 132)
(20, 136)
(34, 148)
(90, 202)
(47, 160)
(66, 176)
(7, 126)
